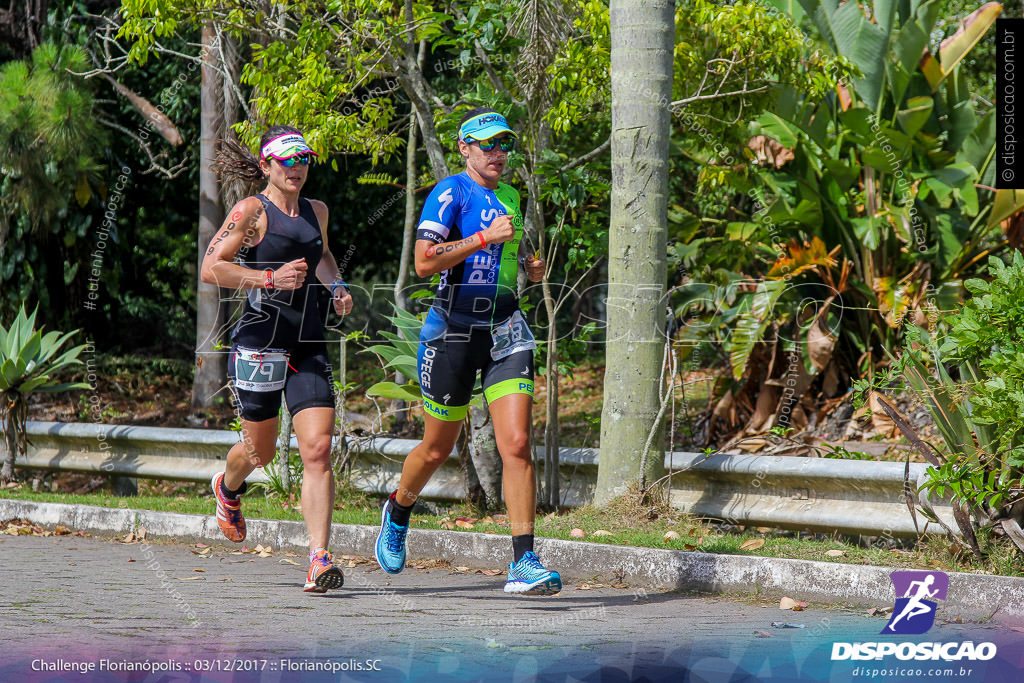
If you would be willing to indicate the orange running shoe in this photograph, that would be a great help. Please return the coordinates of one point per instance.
(322, 573)
(229, 512)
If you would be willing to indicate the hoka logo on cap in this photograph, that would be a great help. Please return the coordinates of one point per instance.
(485, 126)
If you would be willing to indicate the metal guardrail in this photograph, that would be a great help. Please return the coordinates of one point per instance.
(815, 494)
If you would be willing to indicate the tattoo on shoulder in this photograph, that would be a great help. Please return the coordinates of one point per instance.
(235, 217)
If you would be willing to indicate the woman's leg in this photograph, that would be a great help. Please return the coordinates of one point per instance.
(439, 438)
(254, 450)
(313, 429)
(512, 415)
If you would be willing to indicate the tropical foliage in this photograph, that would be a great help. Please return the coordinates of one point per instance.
(968, 371)
(30, 362)
(868, 207)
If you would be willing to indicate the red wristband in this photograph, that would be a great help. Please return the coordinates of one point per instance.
(269, 283)
(480, 234)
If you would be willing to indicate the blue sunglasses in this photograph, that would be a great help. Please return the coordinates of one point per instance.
(300, 159)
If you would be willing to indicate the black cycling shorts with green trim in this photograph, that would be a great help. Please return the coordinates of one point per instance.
(448, 365)
(308, 384)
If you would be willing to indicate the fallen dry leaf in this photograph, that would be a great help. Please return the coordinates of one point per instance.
(416, 566)
(188, 578)
(693, 546)
(671, 535)
(286, 560)
(202, 545)
(463, 524)
(264, 554)
(199, 570)
(225, 578)
(351, 564)
(447, 524)
(141, 534)
(764, 634)
(834, 553)
(879, 611)
(129, 538)
(752, 544)
(61, 530)
(603, 532)
(130, 559)
(487, 520)
(790, 603)
(578, 533)
(490, 572)
(462, 569)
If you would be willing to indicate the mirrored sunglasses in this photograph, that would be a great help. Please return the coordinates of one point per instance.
(507, 143)
(300, 159)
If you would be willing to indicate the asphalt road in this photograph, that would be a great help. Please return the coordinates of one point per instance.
(72, 602)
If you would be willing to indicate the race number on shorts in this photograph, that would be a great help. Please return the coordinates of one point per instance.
(511, 336)
(260, 370)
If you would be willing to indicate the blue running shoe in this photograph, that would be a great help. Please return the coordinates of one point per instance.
(529, 577)
(390, 549)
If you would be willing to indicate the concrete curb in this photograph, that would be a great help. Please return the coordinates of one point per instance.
(971, 596)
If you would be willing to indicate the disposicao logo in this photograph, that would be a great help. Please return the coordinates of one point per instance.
(914, 614)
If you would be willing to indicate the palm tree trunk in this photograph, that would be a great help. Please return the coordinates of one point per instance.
(211, 365)
(14, 436)
(642, 38)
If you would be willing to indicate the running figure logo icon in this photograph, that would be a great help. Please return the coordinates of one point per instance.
(914, 612)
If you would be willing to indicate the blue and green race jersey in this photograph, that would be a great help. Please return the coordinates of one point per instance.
(481, 290)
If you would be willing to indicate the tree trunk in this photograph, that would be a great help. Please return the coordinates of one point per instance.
(14, 439)
(409, 235)
(400, 407)
(475, 495)
(552, 434)
(340, 447)
(642, 38)
(211, 365)
(483, 450)
(415, 86)
(284, 449)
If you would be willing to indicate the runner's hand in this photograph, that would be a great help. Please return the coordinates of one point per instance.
(342, 301)
(500, 230)
(290, 275)
(534, 268)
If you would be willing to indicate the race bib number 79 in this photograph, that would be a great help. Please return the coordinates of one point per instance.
(511, 336)
(260, 370)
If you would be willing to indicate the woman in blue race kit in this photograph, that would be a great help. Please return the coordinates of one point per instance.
(278, 345)
(469, 232)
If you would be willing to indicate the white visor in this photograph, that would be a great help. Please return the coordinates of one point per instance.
(285, 147)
